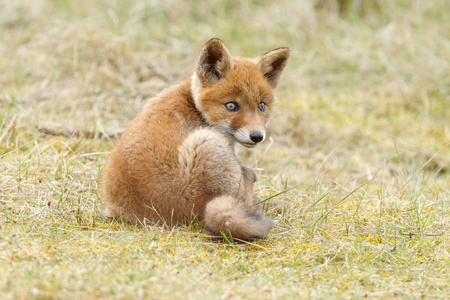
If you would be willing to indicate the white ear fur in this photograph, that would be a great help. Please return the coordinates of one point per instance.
(272, 64)
(214, 63)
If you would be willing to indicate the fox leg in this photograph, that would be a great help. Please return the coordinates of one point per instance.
(220, 189)
(248, 180)
(209, 167)
(252, 199)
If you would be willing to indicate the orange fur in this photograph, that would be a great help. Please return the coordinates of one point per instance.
(177, 158)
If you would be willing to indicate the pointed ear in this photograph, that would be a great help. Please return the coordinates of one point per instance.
(272, 64)
(214, 63)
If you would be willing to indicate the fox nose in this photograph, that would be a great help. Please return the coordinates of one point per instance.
(256, 136)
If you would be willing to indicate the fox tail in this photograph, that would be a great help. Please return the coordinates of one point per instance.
(225, 215)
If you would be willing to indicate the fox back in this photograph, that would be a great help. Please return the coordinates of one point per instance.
(177, 159)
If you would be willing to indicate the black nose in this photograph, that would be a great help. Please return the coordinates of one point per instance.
(256, 136)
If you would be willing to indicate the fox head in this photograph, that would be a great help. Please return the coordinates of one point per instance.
(236, 95)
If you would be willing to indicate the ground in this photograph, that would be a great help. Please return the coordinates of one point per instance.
(359, 150)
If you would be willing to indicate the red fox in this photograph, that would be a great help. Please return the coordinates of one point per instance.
(178, 160)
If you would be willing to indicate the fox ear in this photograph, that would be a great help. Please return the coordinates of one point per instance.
(272, 64)
(214, 63)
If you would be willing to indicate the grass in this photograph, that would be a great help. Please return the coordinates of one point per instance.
(360, 149)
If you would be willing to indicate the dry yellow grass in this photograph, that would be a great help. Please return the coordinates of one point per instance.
(360, 150)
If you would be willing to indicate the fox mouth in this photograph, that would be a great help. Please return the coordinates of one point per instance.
(247, 145)
(243, 137)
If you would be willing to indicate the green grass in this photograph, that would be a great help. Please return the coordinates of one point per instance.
(359, 150)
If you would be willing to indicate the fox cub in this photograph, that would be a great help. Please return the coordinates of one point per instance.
(178, 161)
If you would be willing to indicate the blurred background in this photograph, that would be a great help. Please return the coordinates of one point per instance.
(367, 89)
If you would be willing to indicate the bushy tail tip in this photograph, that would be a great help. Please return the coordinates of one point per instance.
(225, 215)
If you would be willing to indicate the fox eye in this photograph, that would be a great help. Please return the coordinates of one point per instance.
(262, 106)
(232, 106)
